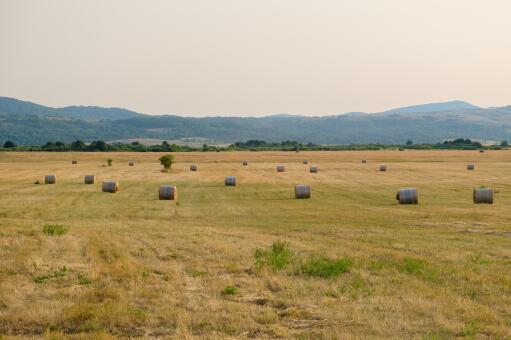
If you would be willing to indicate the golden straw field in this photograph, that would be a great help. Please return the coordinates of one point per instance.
(131, 265)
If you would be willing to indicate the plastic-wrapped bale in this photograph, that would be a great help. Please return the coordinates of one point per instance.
(383, 168)
(305, 161)
(364, 161)
(281, 168)
(471, 167)
(313, 169)
(50, 179)
(245, 163)
(230, 181)
(408, 196)
(74, 162)
(131, 163)
(110, 186)
(483, 195)
(193, 167)
(302, 191)
(167, 192)
(90, 179)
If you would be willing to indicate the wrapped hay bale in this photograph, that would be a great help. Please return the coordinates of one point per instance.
(167, 192)
(245, 163)
(230, 181)
(408, 196)
(302, 191)
(313, 169)
(90, 179)
(110, 186)
(471, 167)
(50, 179)
(281, 168)
(305, 161)
(74, 162)
(483, 195)
(131, 163)
(383, 168)
(193, 167)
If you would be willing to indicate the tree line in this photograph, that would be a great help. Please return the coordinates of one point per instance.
(250, 145)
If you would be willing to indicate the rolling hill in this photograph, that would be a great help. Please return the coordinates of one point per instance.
(29, 123)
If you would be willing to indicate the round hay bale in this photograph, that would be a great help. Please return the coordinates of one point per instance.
(483, 195)
(383, 168)
(305, 161)
(193, 167)
(110, 186)
(50, 179)
(281, 168)
(408, 196)
(245, 163)
(313, 169)
(481, 151)
(74, 162)
(167, 192)
(471, 167)
(131, 163)
(230, 181)
(302, 191)
(364, 161)
(90, 179)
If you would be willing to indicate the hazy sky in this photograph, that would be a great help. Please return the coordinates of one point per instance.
(240, 57)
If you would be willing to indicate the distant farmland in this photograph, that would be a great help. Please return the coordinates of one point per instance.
(252, 261)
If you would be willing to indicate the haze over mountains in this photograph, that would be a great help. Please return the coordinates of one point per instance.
(29, 123)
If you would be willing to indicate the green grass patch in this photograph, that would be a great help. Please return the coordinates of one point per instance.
(277, 257)
(55, 229)
(325, 268)
(230, 290)
(60, 273)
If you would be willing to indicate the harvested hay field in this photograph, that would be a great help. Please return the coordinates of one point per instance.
(254, 262)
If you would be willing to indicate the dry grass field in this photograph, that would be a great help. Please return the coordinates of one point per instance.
(347, 263)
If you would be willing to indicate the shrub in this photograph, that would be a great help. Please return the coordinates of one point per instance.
(109, 161)
(277, 257)
(54, 229)
(326, 268)
(166, 161)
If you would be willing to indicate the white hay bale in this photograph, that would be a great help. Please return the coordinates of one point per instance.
(302, 191)
(281, 168)
(90, 179)
(313, 169)
(193, 167)
(483, 195)
(74, 162)
(50, 179)
(305, 161)
(471, 167)
(383, 168)
(408, 196)
(167, 192)
(110, 186)
(131, 163)
(245, 163)
(230, 181)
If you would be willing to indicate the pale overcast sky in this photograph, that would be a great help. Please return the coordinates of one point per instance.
(252, 58)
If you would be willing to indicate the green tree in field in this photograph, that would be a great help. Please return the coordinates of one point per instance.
(9, 144)
(409, 142)
(166, 161)
(109, 161)
(77, 145)
(504, 144)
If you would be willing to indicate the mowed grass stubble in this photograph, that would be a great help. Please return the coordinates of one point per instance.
(132, 265)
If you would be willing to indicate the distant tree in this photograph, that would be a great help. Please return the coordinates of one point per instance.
(504, 144)
(77, 145)
(9, 144)
(60, 144)
(98, 145)
(409, 142)
(165, 143)
(166, 161)
(135, 143)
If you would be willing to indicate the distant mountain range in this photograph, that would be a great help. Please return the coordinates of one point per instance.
(29, 123)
